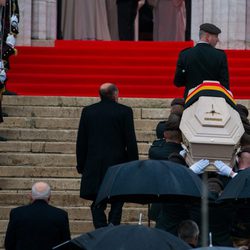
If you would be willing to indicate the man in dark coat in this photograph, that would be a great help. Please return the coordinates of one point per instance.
(126, 12)
(39, 225)
(106, 137)
(202, 62)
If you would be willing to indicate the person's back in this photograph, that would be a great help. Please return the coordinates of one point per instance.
(202, 62)
(106, 137)
(38, 226)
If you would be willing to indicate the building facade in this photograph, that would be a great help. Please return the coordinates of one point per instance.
(39, 21)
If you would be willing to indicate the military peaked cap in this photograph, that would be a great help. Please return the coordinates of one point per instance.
(210, 28)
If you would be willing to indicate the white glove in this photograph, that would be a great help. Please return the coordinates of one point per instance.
(183, 153)
(222, 168)
(2, 76)
(1, 65)
(199, 166)
(11, 40)
(14, 21)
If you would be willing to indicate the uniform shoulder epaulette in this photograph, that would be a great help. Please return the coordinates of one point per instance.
(186, 49)
(220, 50)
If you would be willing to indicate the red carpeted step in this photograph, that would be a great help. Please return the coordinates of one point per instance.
(140, 69)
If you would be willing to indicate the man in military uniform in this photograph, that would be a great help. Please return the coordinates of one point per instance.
(202, 62)
(9, 19)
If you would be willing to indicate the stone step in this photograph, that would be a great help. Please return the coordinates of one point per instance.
(84, 214)
(40, 123)
(63, 123)
(59, 135)
(50, 147)
(37, 159)
(39, 134)
(38, 147)
(38, 172)
(16, 183)
(75, 112)
(64, 199)
(43, 111)
(41, 159)
(20, 197)
(76, 227)
(82, 101)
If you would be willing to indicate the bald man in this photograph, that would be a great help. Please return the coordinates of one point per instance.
(106, 137)
(38, 225)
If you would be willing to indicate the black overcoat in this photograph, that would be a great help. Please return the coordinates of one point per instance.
(106, 137)
(202, 62)
(38, 226)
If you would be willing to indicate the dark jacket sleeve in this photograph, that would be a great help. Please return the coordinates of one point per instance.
(81, 143)
(66, 230)
(10, 238)
(224, 75)
(132, 150)
(180, 73)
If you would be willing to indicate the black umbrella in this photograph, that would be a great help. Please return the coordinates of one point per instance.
(238, 188)
(214, 248)
(146, 181)
(129, 237)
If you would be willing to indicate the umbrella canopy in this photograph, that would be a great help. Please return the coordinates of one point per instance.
(214, 248)
(129, 237)
(146, 181)
(238, 188)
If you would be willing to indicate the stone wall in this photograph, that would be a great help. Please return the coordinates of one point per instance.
(232, 16)
(38, 21)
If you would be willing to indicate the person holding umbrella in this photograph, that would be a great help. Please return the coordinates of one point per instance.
(106, 137)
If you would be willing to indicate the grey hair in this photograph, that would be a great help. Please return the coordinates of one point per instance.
(188, 229)
(42, 193)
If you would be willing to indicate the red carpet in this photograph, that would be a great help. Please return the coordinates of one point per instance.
(140, 69)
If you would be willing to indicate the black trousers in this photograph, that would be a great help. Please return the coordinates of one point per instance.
(100, 218)
(126, 10)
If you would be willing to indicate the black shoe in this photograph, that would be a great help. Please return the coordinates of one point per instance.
(2, 138)
(4, 114)
(7, 92)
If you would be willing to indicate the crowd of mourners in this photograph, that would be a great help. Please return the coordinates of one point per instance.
(229, 225)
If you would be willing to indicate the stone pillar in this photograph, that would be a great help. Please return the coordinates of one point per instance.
(228, 15)
(51, 28)
(248, 25)
(38, 21)
(24, 36)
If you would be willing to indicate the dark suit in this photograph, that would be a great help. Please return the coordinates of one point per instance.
(126, 11)
(106, 137)
(202, 62)
(161, 149)
(38, 226)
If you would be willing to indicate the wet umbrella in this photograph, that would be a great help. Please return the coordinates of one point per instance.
(214, 248)
(146, 181)
(129, 237)
(238, 188)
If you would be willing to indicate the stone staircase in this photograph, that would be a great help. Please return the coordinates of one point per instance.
(41, 134)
